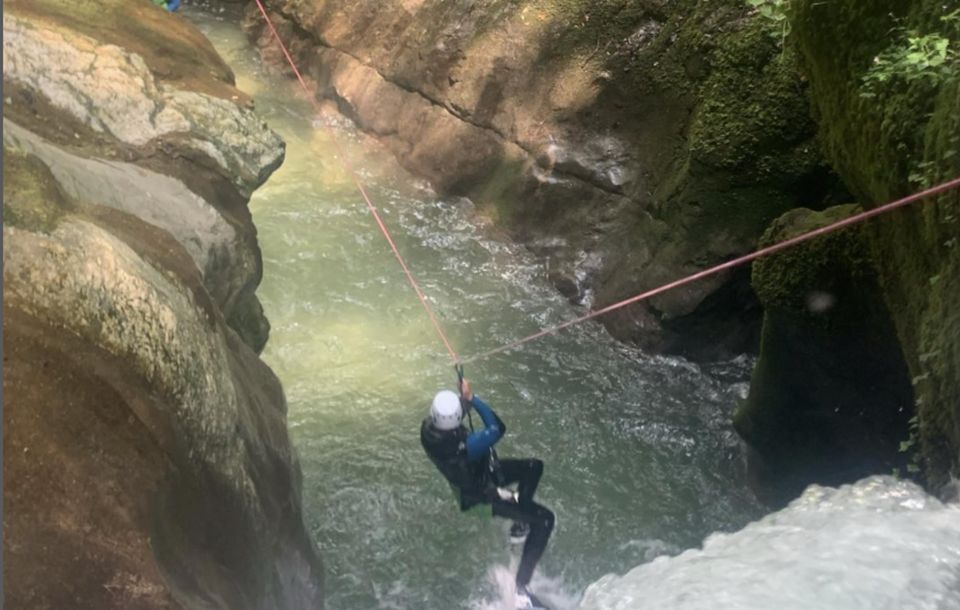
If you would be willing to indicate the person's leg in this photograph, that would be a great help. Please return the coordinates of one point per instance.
(525, 472)
(541, 522)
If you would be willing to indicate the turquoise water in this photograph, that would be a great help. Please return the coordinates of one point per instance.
(640, 457)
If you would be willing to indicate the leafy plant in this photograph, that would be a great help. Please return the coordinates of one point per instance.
(775, 11)
(923, 174)
(932, 58)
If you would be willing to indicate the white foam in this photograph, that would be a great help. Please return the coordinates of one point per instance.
(501, 577)
(880, 544)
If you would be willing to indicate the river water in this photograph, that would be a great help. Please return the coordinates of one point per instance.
(641, 460)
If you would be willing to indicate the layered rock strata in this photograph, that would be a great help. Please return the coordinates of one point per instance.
(147, 459)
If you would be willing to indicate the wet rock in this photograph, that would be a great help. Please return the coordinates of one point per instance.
(665, 135)
(147, 462)
(830, 398)
(600, 162)
(113, 91)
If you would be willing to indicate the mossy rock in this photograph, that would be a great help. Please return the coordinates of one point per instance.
(32, 198)
(827, 265)
(830, 398)
(886, 143)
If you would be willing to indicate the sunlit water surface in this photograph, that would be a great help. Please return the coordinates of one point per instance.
(641, 459)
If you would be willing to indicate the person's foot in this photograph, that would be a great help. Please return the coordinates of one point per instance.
(526, 600)
(518, 532)
(523, 599)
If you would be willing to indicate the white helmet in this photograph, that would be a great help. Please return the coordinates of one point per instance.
(446, 411)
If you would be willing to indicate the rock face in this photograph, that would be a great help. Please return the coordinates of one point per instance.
(147, 460)
(888, 134)
(830, 398)
(629, 143)
(833, 390)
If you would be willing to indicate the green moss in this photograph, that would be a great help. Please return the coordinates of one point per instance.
(752, 104)
(828, 262)
(32, 198)
(887, 146)
(830, 398)
(751, 141)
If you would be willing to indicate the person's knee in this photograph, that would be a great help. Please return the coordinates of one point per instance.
(536, 466)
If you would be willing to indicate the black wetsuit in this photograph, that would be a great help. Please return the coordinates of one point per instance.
(467, 462)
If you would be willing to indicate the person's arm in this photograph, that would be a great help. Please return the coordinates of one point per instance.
(480, 442)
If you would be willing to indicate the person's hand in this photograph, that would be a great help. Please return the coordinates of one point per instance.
(465, 391)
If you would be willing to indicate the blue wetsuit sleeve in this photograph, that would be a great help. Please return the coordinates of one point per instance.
(479, 442)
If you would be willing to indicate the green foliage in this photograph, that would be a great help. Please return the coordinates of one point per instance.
(931, 58)
(923, 174)
(775, 11)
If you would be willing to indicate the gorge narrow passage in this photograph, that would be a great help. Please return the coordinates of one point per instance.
(641, 458)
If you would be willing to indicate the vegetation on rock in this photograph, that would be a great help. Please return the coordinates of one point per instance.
(888, 108)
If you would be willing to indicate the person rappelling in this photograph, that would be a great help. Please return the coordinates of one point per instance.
(469, 463)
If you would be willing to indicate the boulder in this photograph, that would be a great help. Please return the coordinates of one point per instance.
(147, 458)
(830, 398)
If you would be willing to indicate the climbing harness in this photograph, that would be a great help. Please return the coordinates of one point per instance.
(742, 260)
(493, 464)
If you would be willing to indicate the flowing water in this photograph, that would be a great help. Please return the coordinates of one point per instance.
(641, 460)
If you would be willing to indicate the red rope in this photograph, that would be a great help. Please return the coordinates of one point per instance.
(363, 192)
(856, 218)
(846, 222)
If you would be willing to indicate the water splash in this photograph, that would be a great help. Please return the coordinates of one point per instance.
(503, 597)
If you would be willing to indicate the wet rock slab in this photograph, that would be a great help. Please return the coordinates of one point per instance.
(147, 460)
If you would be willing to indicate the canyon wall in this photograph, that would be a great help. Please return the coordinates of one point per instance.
(629, 143)
(147, 462)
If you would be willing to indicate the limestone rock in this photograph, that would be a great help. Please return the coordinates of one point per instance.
(147, 462)
(657, 139)
(113, 91)
(90, 280)
(229, 261)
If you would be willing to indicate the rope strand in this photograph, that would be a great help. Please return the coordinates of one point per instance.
(363, 192)
(846, 222)
(742, 260)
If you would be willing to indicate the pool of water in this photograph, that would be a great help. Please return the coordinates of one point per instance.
(641, 459)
